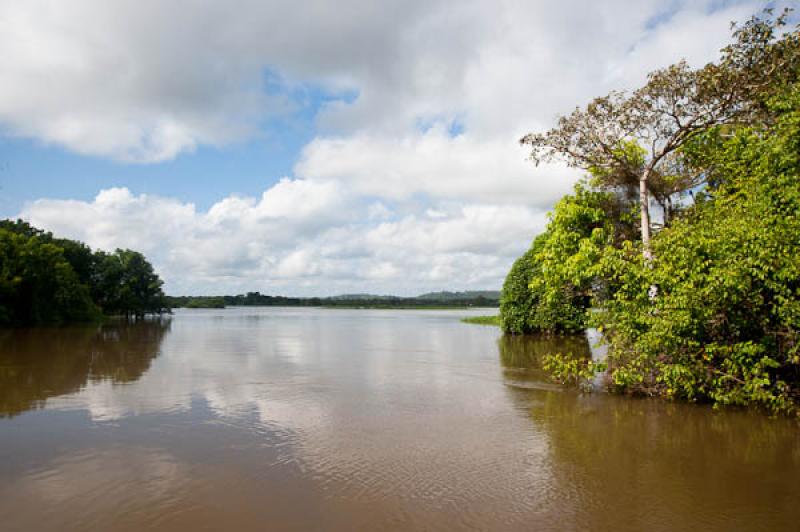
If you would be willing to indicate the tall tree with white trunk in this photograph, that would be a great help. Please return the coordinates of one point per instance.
(633, 140)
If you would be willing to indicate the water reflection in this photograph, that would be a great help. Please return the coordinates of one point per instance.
(622, 463)
(308, 419)
(663, 466)
(522, 357)
(36, 364)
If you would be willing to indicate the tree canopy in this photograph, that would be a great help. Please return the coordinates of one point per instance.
(633, 140)
(44, 279)
(550, 288)
(726, 324)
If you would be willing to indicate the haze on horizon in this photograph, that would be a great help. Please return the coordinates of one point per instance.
(320, 149)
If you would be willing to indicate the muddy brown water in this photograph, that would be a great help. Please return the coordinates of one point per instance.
(316, 419)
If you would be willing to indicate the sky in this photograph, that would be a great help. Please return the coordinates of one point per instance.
(314, 148)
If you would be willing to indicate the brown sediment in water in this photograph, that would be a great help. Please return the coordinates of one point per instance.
(308, 419)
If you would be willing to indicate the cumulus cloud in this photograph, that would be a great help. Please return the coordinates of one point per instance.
(301, 236)
(412, 181)
(438, 165)
(144, 80)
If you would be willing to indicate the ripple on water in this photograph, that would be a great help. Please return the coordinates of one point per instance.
(310, 419)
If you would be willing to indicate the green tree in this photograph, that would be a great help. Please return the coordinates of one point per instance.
(634, 140)
(44, 279)
(126, 284)
(37, 284)
(77, 254)
(726, 325)
(518, 302)
(551, 287)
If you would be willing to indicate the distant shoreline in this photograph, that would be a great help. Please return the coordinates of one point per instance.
(433, 300)
(350, 307)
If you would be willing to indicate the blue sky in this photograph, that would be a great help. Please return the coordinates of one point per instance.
(314, 148)
(31, 168)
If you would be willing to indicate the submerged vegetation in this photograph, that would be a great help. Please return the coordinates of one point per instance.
(703, 302)
(44, 279)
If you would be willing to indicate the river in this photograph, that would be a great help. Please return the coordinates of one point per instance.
(322, 419)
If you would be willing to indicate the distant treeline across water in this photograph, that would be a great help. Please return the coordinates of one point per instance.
(430, 300)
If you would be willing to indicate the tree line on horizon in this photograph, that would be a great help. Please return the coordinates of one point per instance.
(702, 301)
(45, 280)
(50, 280)
(257, 299)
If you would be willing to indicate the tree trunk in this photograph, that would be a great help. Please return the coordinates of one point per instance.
(647, 252)
(644, 205)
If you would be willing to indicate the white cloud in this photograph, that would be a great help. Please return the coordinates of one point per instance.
(415, 182)
(434, 163)
(144, 80)
(302, 236)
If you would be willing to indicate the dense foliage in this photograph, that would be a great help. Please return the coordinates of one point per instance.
(634, 141)
(50, 280)
(518, 303)
(709, 307)
(726, 323)
(37, 284)
(550, 288)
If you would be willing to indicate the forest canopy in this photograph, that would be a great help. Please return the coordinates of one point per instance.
(44, 279)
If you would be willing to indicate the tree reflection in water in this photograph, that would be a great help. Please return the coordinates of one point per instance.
(646, 464)
(522, 356)
(39, 363)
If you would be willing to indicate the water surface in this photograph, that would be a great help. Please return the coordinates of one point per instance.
(316, 419)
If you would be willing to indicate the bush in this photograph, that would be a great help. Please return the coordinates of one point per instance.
(724, 324)
(550, 288)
